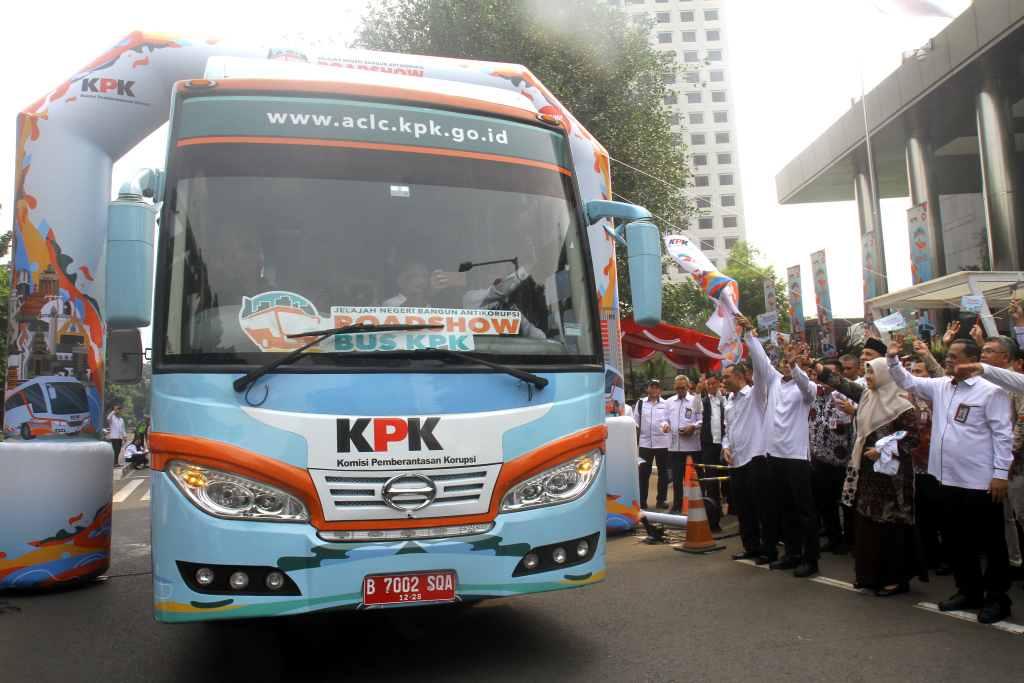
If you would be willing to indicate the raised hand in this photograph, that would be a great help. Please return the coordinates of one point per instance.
(848, 407)
(967, 370)
(921, 349)
(1017, 313)
(951, 331)
(977, 335)
(871, 333)
(744, 322)
(895, 346)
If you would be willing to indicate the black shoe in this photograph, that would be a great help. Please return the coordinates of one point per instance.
(661, 506)
(675, 511)
(644, 507)
(716, 529)
(747, 555)
(960, 602)
(993, 612)
(863, 586)
(900, 588)
(842, 549)
(785, 562)
(763, 560)
(805, 569)
(943, 569)
(829, 547)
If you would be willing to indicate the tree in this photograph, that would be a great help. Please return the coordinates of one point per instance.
(593, 57)
(133, 398)
(746, 268)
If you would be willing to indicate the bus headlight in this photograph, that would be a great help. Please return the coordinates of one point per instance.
(562, 483)
(233, 496)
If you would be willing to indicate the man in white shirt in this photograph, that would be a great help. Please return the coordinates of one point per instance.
(684, 430)
(787, 445)
(115, 425)
(653, 430)
(743, 450)
(709, 402)
(970, 455)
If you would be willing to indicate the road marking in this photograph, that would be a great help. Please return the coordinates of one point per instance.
(121, 495)
(967, 616)
(145, 496)
(842, 584)
(752, 564)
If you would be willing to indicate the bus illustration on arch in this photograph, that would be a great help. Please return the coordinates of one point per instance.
(47, 405)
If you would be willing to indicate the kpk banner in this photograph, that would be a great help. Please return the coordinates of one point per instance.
(796, 303)
(867, 248)
(723, 290)
(920, 248)
(824, 302)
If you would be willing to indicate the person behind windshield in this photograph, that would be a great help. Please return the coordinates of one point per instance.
(496, 296)
(417, 286)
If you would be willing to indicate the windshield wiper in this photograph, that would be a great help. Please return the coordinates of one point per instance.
(535, 380)
(362, 328)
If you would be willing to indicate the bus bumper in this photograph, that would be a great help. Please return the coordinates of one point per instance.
(330, 575)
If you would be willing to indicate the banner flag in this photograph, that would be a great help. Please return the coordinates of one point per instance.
(769, 299)
(920, 248)
(971, 304)
(796, 303)
(891, 322)
(721, 289)
(827, 328)
(867, 248)
(768, 321)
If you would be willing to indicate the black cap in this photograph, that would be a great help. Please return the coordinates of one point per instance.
(876, 345)
(654, 380)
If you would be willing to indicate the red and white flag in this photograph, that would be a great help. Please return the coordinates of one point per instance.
(918, 8)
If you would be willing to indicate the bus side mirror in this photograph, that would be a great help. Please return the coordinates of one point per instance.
(131, 228)
(643, 244)
(124, 356)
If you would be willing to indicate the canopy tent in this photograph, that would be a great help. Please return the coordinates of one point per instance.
(682, 348)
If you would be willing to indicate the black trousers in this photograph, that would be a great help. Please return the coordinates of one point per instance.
(794, 496)
(116, 445)
(973, 526)
(658, 456)
(928, 518)
(710, 455)
(827, 483)
(751, 496)
(677, 463)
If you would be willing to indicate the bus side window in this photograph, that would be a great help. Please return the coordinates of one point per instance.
(15, 401)
(36, 400)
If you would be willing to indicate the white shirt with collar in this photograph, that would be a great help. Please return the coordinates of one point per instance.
(651, 419)
(744, 425)
(116, 426)
(681, 415)
(971, 427)
(717, 402)
(789, 403)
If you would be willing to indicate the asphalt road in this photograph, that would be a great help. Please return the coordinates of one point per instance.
(661, 616)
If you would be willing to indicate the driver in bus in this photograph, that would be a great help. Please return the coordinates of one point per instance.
(496, 296)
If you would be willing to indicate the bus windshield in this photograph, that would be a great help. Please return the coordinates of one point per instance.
(266, 237)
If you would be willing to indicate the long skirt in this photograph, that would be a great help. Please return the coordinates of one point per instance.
(888, 553)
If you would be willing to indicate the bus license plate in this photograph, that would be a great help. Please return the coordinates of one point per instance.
(407, 588)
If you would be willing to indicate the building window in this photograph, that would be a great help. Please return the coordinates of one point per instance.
(717, 76)
(718, 96)
(693, 77)
(698, 139)
(701, 181)
(665, 37)
(722, 138)
(693, 97)
(686, 17)
(729, 222)
(700, 159)
(707, 245)
(672, 119)
(728, 200)
(710, 15)
(668, 79)
(660, 2)
(725, 179)
(689, 36)
(691, 56)
(713, 35)
(706, 223)
(730, 242)
(638, 2)
(671, 98)
(715, 55)
(613, 2)
(696, 117)
(721, 117)
(703, 202)
(724, 158)
(663, 17)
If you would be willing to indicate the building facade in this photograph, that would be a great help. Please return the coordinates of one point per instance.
(702, 114)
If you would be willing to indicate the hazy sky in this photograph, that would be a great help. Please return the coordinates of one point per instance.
(795, 66)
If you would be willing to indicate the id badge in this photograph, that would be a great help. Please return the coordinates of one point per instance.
(962, 411)
(689, 413)
(924, 417)
(832, 424)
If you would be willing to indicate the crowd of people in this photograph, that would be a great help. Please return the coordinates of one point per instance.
(910, 465)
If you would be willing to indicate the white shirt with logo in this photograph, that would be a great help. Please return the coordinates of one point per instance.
(680, 416)
(650, 418)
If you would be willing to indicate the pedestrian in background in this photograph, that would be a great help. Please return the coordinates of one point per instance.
(115, 425)
(830, 444)
(652, 430)
(683, 422)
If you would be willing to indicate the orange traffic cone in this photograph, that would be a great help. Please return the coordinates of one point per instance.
(698, 530)
(688, 478)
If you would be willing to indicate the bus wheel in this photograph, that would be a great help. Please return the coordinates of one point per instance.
(26, 431)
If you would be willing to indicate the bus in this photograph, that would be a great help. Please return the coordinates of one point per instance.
(379, 346)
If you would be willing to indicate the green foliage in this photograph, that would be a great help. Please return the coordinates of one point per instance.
(133, 398)
(592, 57)
(746, 268)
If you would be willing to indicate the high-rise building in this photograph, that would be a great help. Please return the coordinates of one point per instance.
(702, 115)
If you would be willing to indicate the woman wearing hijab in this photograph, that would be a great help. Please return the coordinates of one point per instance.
(880, 481)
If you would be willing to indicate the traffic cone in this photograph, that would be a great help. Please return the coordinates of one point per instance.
(690, 470)
(698, 530)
